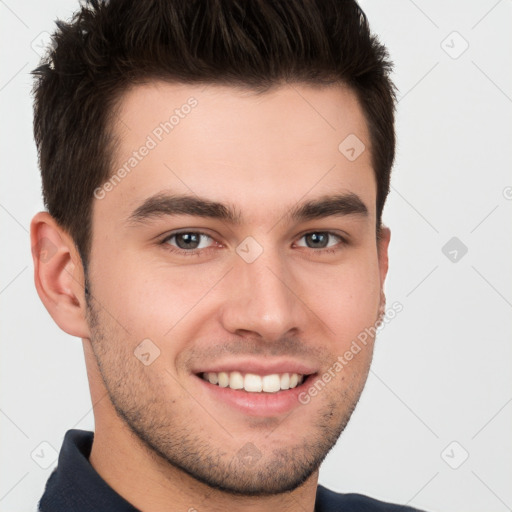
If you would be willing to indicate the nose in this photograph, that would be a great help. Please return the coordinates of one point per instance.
(261, 300)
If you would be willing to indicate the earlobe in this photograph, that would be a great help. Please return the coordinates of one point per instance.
(58, 274)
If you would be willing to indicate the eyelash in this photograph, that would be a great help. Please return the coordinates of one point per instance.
(199, 252)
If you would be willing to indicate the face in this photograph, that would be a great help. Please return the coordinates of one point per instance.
(233, 264)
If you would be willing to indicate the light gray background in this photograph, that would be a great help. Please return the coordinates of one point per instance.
(442, 367)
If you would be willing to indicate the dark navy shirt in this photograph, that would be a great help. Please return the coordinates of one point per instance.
(75, 486)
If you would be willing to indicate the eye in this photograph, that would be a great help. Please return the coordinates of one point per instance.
(188, 241)
(193, 243)
(321, 240)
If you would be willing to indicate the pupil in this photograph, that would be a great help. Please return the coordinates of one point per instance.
(318, 240)
(187, 240)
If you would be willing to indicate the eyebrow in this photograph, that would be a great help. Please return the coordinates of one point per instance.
(164, 204)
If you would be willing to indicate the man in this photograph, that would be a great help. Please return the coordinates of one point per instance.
(214, 174)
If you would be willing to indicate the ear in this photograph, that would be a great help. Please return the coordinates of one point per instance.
(382, 254)
(58, 274)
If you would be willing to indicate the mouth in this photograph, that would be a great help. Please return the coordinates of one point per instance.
(254, 394)
(254, 387)
(254, 383)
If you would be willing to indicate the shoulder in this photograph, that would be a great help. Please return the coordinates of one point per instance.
(330, 501)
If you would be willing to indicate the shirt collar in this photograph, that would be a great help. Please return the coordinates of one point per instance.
(75, 486)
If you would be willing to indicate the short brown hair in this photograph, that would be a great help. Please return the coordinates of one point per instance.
(110, 45)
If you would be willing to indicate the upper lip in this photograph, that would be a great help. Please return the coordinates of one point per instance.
(257, 367)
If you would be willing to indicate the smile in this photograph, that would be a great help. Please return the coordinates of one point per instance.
(254, 383)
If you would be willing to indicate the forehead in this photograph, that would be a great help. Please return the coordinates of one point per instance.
(262, 152)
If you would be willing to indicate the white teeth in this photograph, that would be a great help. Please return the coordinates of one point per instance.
(223, 379)
(254, 383)
(271, 383)
(285, 381)
(236, 381)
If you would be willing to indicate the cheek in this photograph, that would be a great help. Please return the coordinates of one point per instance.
(346, 298)
(149, 299)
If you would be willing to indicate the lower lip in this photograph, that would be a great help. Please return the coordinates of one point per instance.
(257, 404)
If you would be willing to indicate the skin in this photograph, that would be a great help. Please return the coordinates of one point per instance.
(155, 426)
